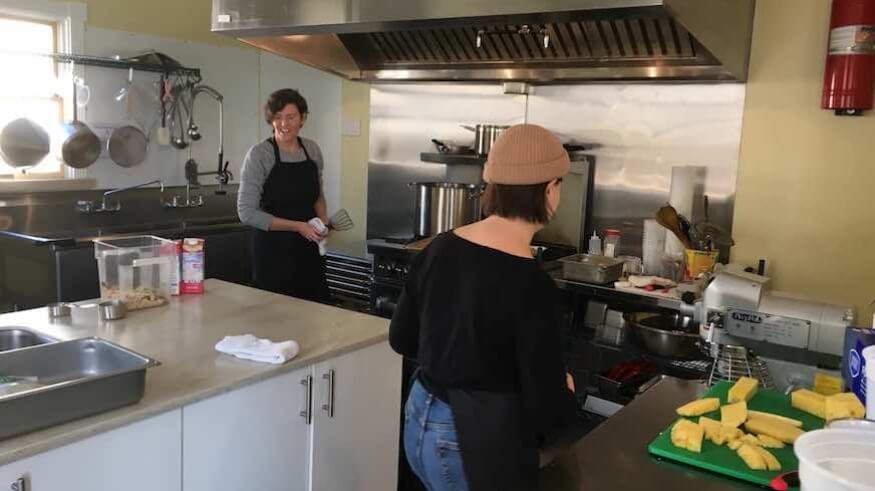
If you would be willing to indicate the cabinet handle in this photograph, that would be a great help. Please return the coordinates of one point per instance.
(329, 406)
(20, 484)
(307, 414)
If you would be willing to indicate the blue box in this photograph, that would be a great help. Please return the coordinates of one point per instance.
(853, 364)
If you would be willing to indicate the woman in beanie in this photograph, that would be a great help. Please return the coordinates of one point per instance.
(482, 318)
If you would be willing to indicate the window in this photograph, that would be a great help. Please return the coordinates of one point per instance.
(29, 87)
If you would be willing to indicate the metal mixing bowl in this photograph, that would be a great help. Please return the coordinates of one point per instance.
(673, 336)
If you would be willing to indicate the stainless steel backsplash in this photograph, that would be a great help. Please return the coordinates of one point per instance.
(642, 131)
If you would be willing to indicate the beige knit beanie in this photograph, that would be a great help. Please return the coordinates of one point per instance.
(526, 154)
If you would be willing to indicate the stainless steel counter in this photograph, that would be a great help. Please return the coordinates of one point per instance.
(614, 455)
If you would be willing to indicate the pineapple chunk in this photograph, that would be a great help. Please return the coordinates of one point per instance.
(784, 432)
(810, 402)
(733, 414)
(752, 458)
(751, 440)
(711, 428)
(769, 442)
(729, 434)
(774, 417)
(688, 435)
(743, 390)
(699, 407)
(735, 444)
(845, 405)
(772, 462)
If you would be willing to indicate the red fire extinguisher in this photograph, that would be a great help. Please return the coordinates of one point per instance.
(849, 80)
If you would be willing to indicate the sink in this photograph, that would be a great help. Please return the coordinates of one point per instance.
(15, 337)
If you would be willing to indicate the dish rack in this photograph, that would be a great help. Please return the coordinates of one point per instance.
(733, 362)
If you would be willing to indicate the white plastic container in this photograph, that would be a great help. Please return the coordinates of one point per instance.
(869, 358)
(836, 460)
(612, 242)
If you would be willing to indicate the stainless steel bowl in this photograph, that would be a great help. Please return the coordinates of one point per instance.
(60, 309)
(671, 336)
(111, 310)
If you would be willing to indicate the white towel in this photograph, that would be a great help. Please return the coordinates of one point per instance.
(320, 227)
(252, 348)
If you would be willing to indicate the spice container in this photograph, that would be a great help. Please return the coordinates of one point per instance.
(135, 270)
(612, 242)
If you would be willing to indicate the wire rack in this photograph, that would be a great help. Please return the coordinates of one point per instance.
(733, 362)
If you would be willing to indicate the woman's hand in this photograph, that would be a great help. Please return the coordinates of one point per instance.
(309, 232)
(569, 381)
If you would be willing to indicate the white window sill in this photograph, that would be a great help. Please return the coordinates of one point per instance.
(11, 186)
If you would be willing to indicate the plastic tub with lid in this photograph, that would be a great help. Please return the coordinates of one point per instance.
(836, 460)
(136, 270)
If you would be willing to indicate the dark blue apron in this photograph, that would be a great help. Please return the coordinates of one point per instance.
(286, 262)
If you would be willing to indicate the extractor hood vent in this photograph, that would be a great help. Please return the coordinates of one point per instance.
(622, 40)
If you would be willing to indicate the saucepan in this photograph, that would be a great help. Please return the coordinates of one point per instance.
(23, 143)
(81, 147)
(485, 135)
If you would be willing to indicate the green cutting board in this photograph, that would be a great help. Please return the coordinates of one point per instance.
(722, 459)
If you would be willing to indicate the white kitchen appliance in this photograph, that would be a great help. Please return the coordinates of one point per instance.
(739, 314)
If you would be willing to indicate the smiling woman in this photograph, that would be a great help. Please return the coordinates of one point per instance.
(31, 92)
(281, 196)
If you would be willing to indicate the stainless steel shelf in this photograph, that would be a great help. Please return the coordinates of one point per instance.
(452, 159)
(124, 64)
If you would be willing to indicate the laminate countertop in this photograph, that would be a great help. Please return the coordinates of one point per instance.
(182, 336)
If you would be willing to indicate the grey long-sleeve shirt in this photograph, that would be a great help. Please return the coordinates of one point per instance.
(257, 165)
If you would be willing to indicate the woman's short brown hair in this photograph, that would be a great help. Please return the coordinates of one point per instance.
(282, 98)
(524, 201)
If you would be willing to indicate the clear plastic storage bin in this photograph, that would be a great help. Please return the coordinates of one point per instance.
(136, 270)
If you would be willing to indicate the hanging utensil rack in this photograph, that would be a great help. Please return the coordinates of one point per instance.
(120, 63)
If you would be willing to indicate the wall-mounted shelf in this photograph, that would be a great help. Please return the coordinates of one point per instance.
(126, 64)
(452, 158)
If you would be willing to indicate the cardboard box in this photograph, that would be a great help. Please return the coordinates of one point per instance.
(853, 364)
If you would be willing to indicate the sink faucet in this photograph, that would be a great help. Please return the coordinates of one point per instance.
(221, 173)
(117, 206)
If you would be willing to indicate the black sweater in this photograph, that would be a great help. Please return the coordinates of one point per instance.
(480, 319)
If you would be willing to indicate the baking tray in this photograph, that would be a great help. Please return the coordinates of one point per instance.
(73, 379)
(591, 269)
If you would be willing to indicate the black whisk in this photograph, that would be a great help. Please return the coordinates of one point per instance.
(340, 221)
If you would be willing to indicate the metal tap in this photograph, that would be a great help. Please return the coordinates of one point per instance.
(221, 173)
(117, 206)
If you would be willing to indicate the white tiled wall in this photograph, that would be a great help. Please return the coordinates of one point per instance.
(245, 77)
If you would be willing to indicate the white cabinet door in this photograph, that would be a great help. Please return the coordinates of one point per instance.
(252, 438)
(356, 447)
(142, 456)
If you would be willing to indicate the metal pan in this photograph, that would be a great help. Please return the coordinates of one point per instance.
(128, 144)
(23, 143)
(81, 147)
(665, 335)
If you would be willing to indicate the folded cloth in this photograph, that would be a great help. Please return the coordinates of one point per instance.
(252, 348)
(320, 227)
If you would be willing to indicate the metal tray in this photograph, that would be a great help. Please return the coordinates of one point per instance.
(591, 269)
(73, 379)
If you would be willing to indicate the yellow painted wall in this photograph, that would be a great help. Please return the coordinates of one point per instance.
(355, 104)
(180, 19)
(805, 198)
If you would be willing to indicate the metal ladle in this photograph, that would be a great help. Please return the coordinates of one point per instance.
(178, 141)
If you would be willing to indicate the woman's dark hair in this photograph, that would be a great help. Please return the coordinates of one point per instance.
(527, 202)
(282, 98)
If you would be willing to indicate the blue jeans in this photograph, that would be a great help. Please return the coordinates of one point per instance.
(430, 442)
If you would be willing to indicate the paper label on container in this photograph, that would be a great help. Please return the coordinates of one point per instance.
(848, 40)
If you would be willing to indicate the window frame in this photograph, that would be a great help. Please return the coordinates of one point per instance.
(68, 25)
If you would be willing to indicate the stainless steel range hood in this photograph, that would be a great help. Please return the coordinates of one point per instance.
(501, 40)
